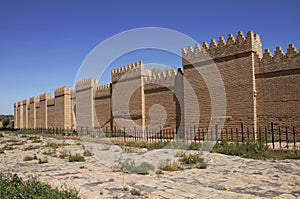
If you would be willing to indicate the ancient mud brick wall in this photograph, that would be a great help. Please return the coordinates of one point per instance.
(103, 106)
(160, 90)
(234, 59)
(63, 108)
(41, 111)
(128, 93)
(278, 87)
(85, 107)
(51, 116)
(16, 123)
(25, 113)
(20, 115)
(32, 112)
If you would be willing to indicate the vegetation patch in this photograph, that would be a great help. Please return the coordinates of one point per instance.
(129, 166)
(253, 150)
(76, 158)
(12, 186)
(56, 145)
(28, 158)
(139, 144)
(168, 165)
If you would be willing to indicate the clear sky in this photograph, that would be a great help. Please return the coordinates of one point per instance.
(43, 43)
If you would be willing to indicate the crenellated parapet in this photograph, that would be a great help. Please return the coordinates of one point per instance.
(103, 91)
(279, 61)
(161, 79)
(33, 100)
(44, 96)
(62, 91)
(86, 84)
(223, 48)
(128, 72)
(25, 102)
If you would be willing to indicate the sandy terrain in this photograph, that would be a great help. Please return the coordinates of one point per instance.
(98, 176)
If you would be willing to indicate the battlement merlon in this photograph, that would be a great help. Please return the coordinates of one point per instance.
(103, 91)
(280, 60)
(62, 91)
(86, 84)
(44, 97)
(33, 100)
(19, 103)
(15, 104)
(168, 74)
(127, 72)
(25, 102)
(242, 44)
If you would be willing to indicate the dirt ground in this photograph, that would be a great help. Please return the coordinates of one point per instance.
(99, 176)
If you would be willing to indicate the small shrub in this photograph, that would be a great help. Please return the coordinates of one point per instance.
(222, 188)
(195, 146)
(191, 159)
(168, 165)
(135, 192)
(1, 135)
(76, 158)
(12, 186)
(28, 158)
(1, 151)
(129, 166)
(56, 145)
(159, 172)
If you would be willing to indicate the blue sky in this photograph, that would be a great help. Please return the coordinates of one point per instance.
(43, 43)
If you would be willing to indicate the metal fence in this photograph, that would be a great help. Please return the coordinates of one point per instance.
(277, 137)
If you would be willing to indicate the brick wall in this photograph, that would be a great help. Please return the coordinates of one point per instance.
(32, 113)
(160, 90)
(278, 88)
(63, 108)
(51, 116)
(235, 61)
(103, 106)
(128, 93)
(25, 113)
(85, 93)
(41, 111)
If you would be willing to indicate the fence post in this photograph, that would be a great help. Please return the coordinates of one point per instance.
(279, 132)
(160, 133)
(287, 137)
(294, 137)
(124, 134)
(272, 130)
(237, 134)
(266, 135)
(226, 134)
(242, 130)
(195, 139)
(259, 136)
(217, 133)
(147, 133)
